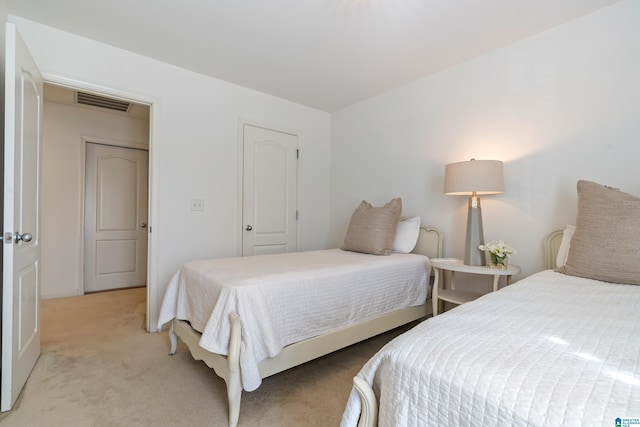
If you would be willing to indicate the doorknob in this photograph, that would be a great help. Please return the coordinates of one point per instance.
(26, 237)
(248, 228)
(143, 225)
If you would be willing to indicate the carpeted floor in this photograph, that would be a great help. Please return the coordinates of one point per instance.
(99, 367)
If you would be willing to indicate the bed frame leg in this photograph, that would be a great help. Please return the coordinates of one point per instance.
(234, 382)
(369, 405)
(174, 340)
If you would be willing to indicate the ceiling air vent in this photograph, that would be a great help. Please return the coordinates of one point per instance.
(101, 102)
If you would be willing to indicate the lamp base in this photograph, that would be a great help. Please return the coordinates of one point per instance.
(475, 235)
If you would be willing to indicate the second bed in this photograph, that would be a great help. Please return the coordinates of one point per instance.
(251, 317)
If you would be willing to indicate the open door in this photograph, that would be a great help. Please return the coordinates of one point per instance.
(21, 236)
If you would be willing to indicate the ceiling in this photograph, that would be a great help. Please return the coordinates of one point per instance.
(327, 54)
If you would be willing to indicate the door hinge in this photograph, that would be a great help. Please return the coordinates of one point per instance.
(297, 215)
(297, 153)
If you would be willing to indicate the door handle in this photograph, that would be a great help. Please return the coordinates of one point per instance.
(26, 237)
(143, 225)
(248, 228)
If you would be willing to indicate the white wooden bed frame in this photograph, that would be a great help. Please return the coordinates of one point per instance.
(228, 367)
(368, 401)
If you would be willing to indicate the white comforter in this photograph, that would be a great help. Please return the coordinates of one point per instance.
(550, 350)
(285, 298)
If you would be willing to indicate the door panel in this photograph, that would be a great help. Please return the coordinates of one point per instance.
(28, 296)
(21, 237)
(115, 256)
(269, 191)
(116, 203)
(115, 217)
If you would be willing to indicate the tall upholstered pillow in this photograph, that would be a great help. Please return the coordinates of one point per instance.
(606, 243)
(372, 229)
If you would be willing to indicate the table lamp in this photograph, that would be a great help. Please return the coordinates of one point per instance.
(474, 178)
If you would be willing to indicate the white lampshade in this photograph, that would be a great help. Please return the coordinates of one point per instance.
(474, 178)
(479, 176)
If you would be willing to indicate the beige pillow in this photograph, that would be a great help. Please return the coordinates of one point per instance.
(372, 229)
(606, 243)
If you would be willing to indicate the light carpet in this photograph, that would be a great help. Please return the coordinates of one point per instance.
(99, 367)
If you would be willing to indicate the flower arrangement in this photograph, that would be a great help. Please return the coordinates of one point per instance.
(498, 253)
(498, 248)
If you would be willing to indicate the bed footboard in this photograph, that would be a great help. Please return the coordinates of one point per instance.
(368, 403)
(234, 382)
(226, 367)
(173, 338)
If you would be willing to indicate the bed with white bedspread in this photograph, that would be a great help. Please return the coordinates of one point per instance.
(558, 348)
(285, 298)
(517, 357)
(251, 317)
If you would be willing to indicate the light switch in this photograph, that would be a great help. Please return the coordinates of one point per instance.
(197, 204)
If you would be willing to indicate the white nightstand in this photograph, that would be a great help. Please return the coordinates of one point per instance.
(440, 265)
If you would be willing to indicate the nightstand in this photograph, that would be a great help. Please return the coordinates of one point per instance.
(440, 265)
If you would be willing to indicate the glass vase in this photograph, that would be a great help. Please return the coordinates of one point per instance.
(499, 262)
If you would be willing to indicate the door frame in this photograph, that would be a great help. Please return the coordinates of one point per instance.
(153, 294)
(242, 121)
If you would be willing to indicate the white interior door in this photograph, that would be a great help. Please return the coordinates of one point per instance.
(21, 237)
(270, 185)
(115, 217)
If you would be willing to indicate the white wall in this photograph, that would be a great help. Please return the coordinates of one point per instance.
(62, 196)
(557, 107)
(194, 145)
(3, 37)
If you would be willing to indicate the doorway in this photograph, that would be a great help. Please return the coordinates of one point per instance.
(73, 117)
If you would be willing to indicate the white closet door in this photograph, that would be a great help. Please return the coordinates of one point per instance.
(270, 185)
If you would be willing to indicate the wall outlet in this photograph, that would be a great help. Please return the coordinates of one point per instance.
(197, 204)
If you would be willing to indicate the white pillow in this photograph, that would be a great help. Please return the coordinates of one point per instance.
(565, 244)
(406, 235)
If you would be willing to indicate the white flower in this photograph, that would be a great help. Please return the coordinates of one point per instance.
(498, 248)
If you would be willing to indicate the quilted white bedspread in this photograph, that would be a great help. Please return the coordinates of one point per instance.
(549, 350)
(285, 298)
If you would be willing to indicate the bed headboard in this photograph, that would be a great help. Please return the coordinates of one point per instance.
(551, 246)
(429, 242)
